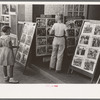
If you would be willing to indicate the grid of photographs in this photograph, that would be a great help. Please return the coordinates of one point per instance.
(25, 43)
(43, 37)
(88, 47)
(74, 24)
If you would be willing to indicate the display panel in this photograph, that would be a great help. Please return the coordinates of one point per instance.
(25, 43)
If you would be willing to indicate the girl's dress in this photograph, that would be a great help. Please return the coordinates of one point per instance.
(6, 52)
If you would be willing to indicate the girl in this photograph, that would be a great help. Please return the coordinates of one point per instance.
(58, 43)
(6, 54)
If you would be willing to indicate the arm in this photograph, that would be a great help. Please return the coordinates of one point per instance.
(52, 29)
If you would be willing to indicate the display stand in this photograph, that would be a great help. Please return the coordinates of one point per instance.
(73, 32)
(88, 49)
(25, 43)
(43, 38)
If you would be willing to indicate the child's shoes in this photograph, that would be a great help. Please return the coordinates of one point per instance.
(12, 80)
(6, 79)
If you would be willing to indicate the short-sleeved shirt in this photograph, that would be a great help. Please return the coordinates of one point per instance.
(59, 29)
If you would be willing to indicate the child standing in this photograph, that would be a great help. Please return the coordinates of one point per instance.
(58, 43)
(6, 54)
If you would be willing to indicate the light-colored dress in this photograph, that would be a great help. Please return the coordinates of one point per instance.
(6, 53)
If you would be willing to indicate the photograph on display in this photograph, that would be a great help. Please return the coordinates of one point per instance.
(23, 38)
(71, 32)
(92, 53)
(23, 59)
(70, 23)
(41, 41)
(13, 8)
(26, 49)
(77, 32)
(89, 65)
(30, 30)
(97, 30)
(87, 28)
(81, 50)
(41, 50)
(49, 49)
(84, 39)
(41, 22)
(25, 28)
(96, 42)
(41, 31)
(70, 50)
(28, 40)
(21, 46)
(77, 61)
(78, 23)
(5, 9)
(71, 41)
(18, 56)
(48, 32)
(49, 40)
(50, 22)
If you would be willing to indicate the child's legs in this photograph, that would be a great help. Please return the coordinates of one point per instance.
(5, 70)
(11, 71)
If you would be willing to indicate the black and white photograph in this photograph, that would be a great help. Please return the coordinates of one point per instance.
(41, 22)
(84, 39)
(97, 30)
(50, 22)
(41, 31)
(23, 38)
(87, 28)
(41, 41)
(28, 40)
(57, 45)
(71, 41)
(77, 61)
(81, 50)
(92, 53)
(50, 40)
(71, 32)
(95, 41)
(89, 65)
(41, 50)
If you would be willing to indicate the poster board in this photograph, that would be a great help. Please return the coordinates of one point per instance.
(73, 32)
(25, 43)
(88, 49)
(43, 38)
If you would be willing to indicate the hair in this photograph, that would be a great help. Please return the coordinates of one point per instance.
(59, 16)
(5, 28)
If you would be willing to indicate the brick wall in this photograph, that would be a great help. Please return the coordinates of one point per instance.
(53, 9)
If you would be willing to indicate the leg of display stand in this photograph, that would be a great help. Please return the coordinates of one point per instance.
(92, 79)
(24, 70)
(98, 80)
